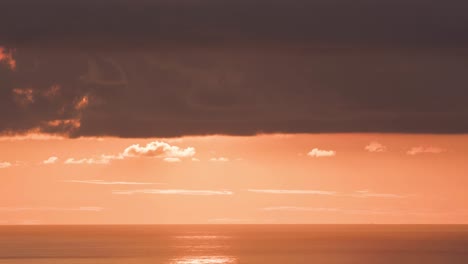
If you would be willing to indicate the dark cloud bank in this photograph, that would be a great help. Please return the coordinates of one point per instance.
(141, 68)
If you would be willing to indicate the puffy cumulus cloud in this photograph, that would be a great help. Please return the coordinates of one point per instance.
(318, 153)
(5, 164)
(175, 192)
(158, 149)
(375, 147)
(424, 150)
(50, 160)
(268, 76)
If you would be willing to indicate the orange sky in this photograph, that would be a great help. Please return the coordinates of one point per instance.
(348, 178)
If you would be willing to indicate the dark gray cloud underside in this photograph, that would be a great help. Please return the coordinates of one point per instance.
(172, 68)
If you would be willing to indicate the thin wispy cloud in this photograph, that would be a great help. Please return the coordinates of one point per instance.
(369, 194)
(89, 161)
(326, 210)
(219, 159)
(356, 194)
(81, 208)
(319, 153)
(424, 150)
(172, 159)
(375, 147)
(174, 192)
(102, 182)
(4, 165)
(273, 191)
(300, 209)
(50, 160)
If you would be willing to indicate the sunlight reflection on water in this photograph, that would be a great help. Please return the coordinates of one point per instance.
(203, 249)
(205, 260)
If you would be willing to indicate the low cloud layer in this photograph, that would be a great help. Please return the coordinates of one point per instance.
(175, 68)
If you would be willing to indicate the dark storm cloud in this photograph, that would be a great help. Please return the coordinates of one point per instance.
(169, 68)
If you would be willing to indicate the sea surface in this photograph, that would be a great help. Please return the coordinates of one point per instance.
(215, 244)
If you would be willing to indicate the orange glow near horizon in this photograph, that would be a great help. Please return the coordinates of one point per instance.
(263, 179)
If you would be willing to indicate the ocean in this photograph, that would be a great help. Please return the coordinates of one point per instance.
(216, 244)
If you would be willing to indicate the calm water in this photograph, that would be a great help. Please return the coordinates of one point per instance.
(212, 244)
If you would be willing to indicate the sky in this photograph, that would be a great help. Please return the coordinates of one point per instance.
(262, 179)
(207, 111)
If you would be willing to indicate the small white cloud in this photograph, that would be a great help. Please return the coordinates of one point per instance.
(102, 182)
(4, 165)
(172, 159)
(375, 147)
(195, 159)
(422, 150)
(50, 160)
(313, 192)
(174, 192)
(321, 153)
(219, 159)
